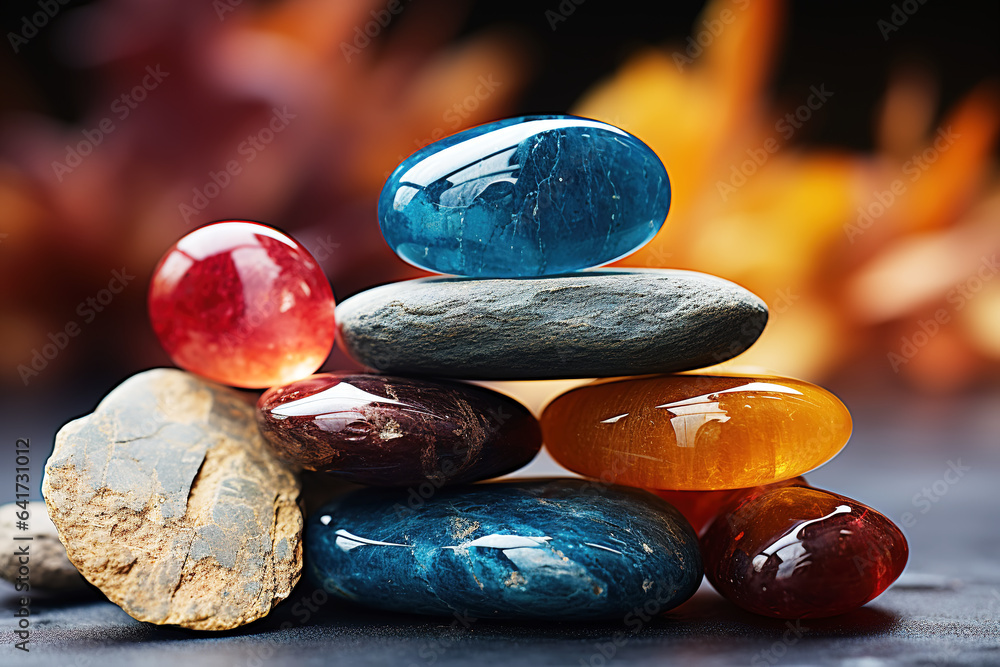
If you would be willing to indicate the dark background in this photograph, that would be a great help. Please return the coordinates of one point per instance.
(835, 42)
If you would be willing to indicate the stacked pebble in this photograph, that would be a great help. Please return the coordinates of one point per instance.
(174, 466)
(520, 209)
(554, 548)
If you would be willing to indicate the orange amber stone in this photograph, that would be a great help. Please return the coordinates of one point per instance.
(242, 304)
(800, 552)
(701, 507)
(695, 432)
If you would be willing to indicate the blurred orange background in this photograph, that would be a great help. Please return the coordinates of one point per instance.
(843, 167)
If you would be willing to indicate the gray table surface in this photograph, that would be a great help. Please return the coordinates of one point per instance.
(943, 611)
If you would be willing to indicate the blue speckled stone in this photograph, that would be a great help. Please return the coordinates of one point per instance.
(529, 196)
(558, 549)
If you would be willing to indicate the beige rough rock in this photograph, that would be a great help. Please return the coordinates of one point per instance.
(168, 500)
(49, 568)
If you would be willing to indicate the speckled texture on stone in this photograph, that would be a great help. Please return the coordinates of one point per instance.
(942, 611)
(589, 324)
(168, 501)
(557, 549)
(50, 569)
(528, 196)
(395, 431)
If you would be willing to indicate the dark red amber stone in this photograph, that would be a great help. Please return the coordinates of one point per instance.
(242, 304)
(701, 507)
(394, 431)
(800, 552)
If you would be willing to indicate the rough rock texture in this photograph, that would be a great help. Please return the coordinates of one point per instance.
(591, 324)
(168, 500)
(50, 569)
(553, 549)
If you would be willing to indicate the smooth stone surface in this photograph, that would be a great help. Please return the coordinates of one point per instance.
(590, 324)
(49, 568)
(242, 304)
(168, 500)
(562, 549)
(701, 507)
(394, 431)
(529, 196)
(941, 610)
(695, 432)
(799, 552)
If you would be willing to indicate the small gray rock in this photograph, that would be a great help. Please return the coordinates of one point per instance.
(589, 324)
(168, 500)
(48, 567)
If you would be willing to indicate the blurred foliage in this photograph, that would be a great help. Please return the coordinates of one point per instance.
(883, 258)
(860, 255)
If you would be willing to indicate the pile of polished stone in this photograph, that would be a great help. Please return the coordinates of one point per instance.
(180, 501)
(520, 209)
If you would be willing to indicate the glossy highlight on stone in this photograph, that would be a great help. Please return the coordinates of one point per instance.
(695, 432)
(800, 552)
(242, 304)
(589, 324)
(394, 431)
(556, 549)
(528, 196)
(701, 507)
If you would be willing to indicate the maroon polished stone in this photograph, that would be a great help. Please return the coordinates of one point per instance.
(395, 431)
(701, 507)
(800, 552)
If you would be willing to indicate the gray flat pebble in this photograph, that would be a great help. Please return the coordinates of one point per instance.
(589, 324)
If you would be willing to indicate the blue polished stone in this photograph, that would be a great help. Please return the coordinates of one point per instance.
(530, 196)
(559, 549)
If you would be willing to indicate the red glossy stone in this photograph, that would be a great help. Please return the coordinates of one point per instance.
(800, 552)
(242, 304)
(701, 507)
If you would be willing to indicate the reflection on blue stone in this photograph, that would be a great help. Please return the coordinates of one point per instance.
(530, 196)
(558, 549)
